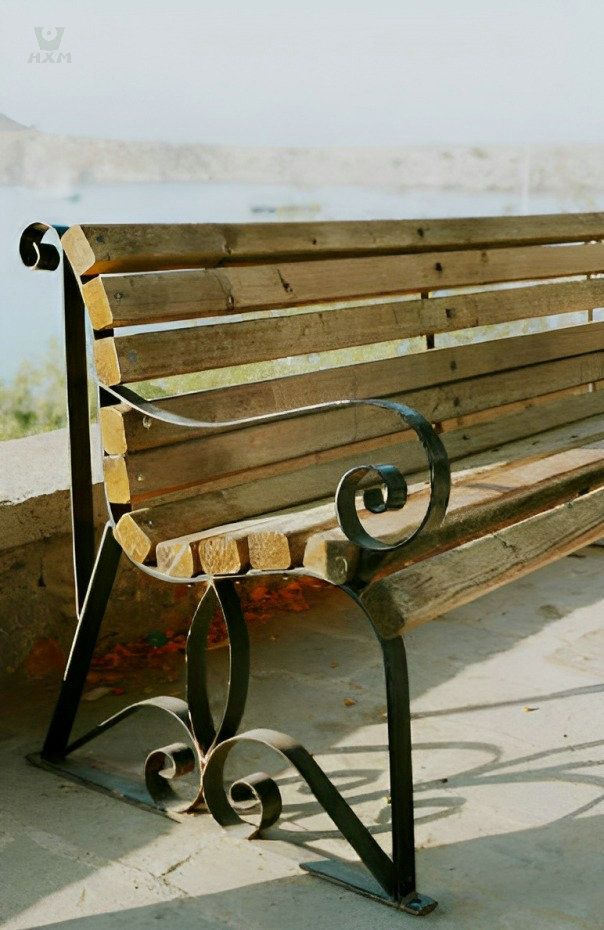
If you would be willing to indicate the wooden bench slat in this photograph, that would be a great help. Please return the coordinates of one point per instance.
(224, 457)
(142, 530)
(136, 247)
(482, 499)
(131, 299)
(436, 586)
(149, 473)
(149, 355)
(382, 378)
(126, 431)
(493, 500)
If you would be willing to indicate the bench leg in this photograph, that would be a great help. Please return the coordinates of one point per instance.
(402, 892)
(391, 880)
(193, 717)
(401, 772)
(82, 648)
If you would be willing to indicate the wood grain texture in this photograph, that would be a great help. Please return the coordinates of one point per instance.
(190, 464)
(140, 531)
(93, 249)
(149, 355)
(308, 534)
(479, 504)
(437, 585)
(152, 297)
(370, 379)
(124, 430)
(482, 500)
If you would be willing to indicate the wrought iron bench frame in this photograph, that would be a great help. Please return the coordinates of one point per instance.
(391, 880)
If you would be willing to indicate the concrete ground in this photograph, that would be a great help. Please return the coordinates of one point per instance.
(508, 722)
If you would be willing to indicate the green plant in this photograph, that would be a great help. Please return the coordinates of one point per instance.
(34, 400)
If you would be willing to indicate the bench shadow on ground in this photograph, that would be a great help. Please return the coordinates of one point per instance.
(318, 676)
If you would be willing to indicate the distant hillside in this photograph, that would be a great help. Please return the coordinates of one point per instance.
(10, 125)
(36, 159)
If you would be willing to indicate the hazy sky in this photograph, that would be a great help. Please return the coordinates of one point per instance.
(312, 72)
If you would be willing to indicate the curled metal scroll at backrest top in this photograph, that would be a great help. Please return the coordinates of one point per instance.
(36, 254)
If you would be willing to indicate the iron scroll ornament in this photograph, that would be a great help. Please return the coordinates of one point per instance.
(199, 730)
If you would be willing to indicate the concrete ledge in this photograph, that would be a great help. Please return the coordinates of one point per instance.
(34, 488)
(37, 612)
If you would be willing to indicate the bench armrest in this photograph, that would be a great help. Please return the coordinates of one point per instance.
(374, 499)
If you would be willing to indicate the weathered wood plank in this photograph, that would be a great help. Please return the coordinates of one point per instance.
(185, 465)
(178, 351)
(482, 499)
(130, 299)
(286, 532)
(140, 531)
(479, 505)
(483, 396)
(128, 430)
(433, 587)
(227, 554)
(93, 249)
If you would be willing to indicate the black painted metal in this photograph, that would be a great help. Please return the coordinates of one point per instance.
(82, 650)
(205, 745)
(221, 595)
(82, 505)
(401, 773)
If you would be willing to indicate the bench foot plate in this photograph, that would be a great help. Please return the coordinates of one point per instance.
(99, 778)
(347, 876)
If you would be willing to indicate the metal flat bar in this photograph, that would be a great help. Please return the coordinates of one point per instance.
(82, 505)
(82, 648)
(401, 772)
(93, 774)
(347, 876)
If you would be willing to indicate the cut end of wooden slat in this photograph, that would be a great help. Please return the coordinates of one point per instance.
(77, 249)
(106, 361)
(97, 303)
(335, 560)
(223, 555)
(116, 479)
(111, 420)
(177, 559)
(133, 539)
(269, 550)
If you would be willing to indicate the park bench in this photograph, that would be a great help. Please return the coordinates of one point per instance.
(465, 353)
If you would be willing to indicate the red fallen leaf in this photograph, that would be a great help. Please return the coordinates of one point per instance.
(293, 598)
(118, 690)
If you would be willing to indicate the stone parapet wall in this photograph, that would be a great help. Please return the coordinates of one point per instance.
(36, 571)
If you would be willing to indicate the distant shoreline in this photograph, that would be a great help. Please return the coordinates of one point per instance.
(44, 161)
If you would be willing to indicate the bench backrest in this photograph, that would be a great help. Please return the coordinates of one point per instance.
(484, 325)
